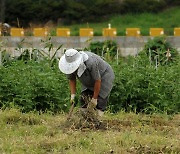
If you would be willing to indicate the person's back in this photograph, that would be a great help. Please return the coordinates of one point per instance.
(96, 69)
(95, 75)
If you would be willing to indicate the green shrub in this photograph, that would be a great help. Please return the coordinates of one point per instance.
(107, 49)
(147, 84)
(157, 50)
(141, 87)
(136, 6)
(33, 86)
(35, 82)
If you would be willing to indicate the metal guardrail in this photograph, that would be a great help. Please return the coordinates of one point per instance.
(65, 32)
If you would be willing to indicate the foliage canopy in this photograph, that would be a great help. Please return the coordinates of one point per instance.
(72, 11)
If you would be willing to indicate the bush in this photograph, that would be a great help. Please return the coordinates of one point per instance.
(160, 51)
(36, 83)
(107, 49)
(142, 87)
(136, 6)
(172, 3)
(75, 11)
(33, 86)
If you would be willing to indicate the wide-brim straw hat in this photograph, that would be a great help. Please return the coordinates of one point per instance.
(70, 61)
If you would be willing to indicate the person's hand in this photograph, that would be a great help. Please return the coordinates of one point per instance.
(72, 98)
(93, 103)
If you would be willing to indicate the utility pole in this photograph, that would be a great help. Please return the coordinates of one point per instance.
(2, 11)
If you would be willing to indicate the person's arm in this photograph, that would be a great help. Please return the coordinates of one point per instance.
(97, 87)
(72, 84)
(95, 73)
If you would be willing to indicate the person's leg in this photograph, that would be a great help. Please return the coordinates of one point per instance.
(102, 103)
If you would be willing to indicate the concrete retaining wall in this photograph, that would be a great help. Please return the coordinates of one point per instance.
(127, 45)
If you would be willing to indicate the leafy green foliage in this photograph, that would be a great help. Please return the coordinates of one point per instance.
(143, 6)
(5, 57)
(141, 87)
(33, 86)
(24, 12)
(160, 51)
(144, 21)
(107, 49)
(37, 84)
(32, 80)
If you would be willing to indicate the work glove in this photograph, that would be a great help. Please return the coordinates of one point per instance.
(72, 98)
(93, 103)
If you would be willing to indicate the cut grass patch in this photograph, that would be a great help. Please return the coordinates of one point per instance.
(132, 133)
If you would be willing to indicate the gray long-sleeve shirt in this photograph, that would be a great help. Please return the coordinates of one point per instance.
(96, 69)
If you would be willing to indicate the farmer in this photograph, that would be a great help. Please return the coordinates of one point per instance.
(95, 75)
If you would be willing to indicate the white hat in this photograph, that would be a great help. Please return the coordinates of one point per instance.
(70, 61)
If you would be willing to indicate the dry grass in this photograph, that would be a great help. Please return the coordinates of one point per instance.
(124, 133)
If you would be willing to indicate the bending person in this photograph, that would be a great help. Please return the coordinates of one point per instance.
(95, 75)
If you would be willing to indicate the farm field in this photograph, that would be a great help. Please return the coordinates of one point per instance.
(126, 133)
(143, 110)
(142, 114)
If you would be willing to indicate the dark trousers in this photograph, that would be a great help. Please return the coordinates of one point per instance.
(86, 96)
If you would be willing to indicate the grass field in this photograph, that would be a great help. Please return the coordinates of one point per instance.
(126, 133)
(168, 19)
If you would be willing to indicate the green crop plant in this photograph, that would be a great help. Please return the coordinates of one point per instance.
(33, 86)
(106, 49)
(160, 51)
(32, 80)
(140, 87)
(37, 84)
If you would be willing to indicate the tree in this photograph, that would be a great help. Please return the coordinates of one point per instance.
(2, 7)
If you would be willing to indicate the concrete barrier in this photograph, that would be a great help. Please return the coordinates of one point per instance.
(127, 45)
